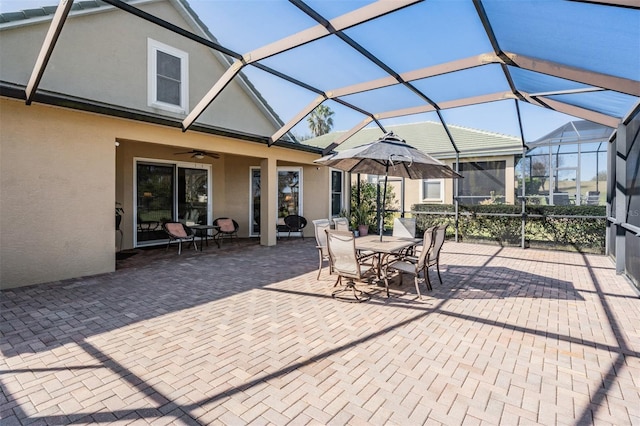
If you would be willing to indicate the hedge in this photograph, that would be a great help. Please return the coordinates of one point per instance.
(480, 223)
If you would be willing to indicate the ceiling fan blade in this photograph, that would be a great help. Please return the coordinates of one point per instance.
(195, 153)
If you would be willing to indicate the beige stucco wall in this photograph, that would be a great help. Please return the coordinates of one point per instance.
(413, 190)
(59, 180)
(101, 55)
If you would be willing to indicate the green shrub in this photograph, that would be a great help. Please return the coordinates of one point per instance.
(480, 223)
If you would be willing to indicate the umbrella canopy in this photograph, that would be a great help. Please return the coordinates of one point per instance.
(388, 156)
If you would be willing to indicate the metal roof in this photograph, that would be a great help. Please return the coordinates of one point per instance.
(430, 137)
(377, 61)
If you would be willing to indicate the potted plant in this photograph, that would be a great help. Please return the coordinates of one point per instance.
(360, 217)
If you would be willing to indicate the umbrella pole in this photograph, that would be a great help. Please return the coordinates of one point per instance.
(384, 196)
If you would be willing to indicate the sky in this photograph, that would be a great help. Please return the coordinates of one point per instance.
(241, 26)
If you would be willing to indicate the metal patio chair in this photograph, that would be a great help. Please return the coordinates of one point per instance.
(178, 232)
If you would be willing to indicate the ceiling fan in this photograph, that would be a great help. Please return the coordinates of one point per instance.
(199, 154)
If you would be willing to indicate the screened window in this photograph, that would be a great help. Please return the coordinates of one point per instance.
(168, 71)
(289, 194)
(432, 190)
(336, 193)
(483, 180)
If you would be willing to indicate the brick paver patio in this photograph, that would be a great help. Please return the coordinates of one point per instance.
(246, 335)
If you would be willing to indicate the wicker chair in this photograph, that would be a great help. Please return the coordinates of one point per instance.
(295, 223)
(226, 228)
(179, 232)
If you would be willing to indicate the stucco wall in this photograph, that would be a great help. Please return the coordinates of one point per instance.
(101, 55)
(412, 187)
(60, 180)
(57, 180)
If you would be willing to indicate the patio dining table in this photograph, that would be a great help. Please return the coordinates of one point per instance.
(384, 249)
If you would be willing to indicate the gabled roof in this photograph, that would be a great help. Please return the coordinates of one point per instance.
(46, 13)
(575, 132)
(431, 138)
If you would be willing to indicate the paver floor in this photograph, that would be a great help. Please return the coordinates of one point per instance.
(247, 335)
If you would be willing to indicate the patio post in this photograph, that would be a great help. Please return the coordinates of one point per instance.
(523, 201)
(456, 190)
(269, 200)
(622, 197)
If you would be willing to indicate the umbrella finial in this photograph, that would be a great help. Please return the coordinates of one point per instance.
(391, 137)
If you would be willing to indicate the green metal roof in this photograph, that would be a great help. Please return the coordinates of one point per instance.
(430, 137)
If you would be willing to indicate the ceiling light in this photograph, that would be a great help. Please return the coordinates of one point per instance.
(198, 155)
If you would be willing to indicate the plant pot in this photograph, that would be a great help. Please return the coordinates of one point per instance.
(363, 230)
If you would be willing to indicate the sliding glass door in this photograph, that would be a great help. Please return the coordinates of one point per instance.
(289, 195)
(169, 192)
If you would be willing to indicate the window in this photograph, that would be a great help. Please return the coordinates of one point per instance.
(168, 70)
(336, 193)
(483, 180)
(432, 190)
(289, 194)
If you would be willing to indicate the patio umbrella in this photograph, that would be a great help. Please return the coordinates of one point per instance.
(388, 156)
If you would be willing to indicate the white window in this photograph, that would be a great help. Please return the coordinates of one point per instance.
(432, 190)
(168, 83)
(337, 192)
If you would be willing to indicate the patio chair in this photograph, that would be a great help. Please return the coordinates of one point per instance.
(413, 265)
(179, 232)
(320, 226)
(404, 227)
(439, 235)
(593, 198)
(295, 223)
(226, 228)
(340, 224)
(345, 262)
(147, 225)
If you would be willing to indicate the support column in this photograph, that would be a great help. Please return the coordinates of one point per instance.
(456, 193)
(268, 201)
(523, 201)
(621, 197)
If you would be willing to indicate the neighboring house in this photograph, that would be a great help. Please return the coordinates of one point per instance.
(486, 160)
(104, 128)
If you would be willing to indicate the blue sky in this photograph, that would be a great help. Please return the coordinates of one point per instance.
(242, 26)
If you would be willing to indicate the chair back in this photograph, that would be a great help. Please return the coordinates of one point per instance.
(342, 252)
(177, 229)
(427, 246)
(340, 224)
(295, 222)
(321, 225)
(227, 226)
(593, 198)
(439, 235)
(404, 227)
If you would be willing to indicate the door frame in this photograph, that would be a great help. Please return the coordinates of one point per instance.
(176, 165)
